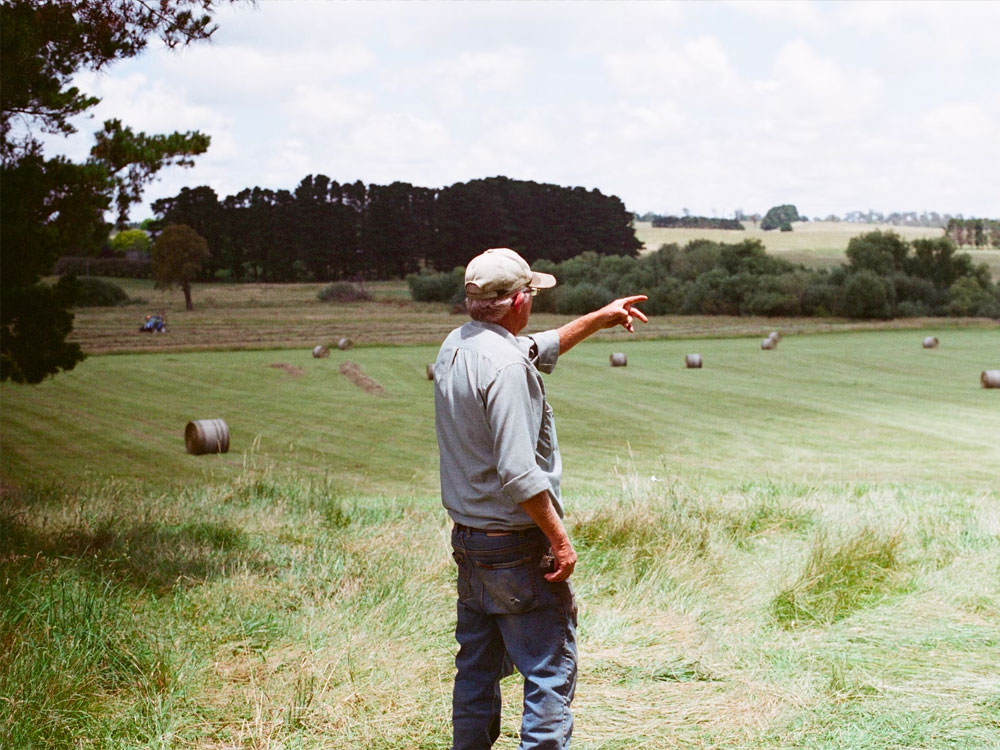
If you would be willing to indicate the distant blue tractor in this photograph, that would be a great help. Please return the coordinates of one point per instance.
(154, 324)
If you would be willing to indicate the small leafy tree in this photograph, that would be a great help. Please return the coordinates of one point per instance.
(777, 216)
(178, 254)
(130, 240)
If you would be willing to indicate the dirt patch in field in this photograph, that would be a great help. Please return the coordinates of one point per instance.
(292, 370)
(357, 376)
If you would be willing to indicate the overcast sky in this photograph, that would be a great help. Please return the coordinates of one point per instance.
(709, 106)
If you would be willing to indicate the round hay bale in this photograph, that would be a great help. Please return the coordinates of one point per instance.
(990, 378)
(320, 351)
(774, 335)
(930, 342)
(769, 343)
(430, 371)
(618, 359)
(693, 360)
(345, 344)
(206, 436)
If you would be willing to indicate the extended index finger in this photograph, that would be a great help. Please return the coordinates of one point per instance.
(627, 301)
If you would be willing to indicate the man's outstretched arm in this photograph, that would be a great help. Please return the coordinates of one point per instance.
(620, 312)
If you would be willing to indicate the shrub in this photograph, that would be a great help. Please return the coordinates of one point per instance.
(718, 293)
(908, 309)
(968, 299)
(866, 296)
(666, 298)
(750, 256)
(584, 267)
(121, 268)
(820, 298)
(615, 267)
(698, 257)
(879, 252)
(343, 291)
(772, 304)
(918, 292)
(582, 298)
(437, 287)
(91, 292)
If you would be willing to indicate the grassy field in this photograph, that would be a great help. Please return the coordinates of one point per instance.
(796, 548)
(871, 406)
(815, 244)
(289, 316)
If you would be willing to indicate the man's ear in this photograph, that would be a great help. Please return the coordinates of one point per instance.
(518, 300)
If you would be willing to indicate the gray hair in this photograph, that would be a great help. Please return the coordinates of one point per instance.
(491, 310)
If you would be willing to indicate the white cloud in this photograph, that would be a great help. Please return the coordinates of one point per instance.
(316, 109)
(153, 106)
(832, 106)
(237, 73)
(966, 123)
(800, 15)
(810, 86)
(659, 67)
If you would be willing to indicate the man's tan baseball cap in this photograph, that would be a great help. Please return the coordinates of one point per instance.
(500, 271)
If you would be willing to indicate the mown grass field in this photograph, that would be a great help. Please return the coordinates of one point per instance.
(815, 244)
(796, 548)
(871, 406)
(290, 316)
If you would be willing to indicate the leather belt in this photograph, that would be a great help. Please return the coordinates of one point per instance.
(488, 532)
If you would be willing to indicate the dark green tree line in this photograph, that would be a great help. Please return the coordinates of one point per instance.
(324, 231)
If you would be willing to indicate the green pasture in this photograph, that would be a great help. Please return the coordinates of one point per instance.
(797, 548)
(869, 406)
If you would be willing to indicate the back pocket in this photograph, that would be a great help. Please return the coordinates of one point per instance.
(510, 587)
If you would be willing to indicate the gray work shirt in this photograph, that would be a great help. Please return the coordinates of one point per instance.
(494, 427)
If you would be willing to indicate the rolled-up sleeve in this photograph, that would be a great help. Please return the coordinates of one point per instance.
(547, 345)
(515, 405)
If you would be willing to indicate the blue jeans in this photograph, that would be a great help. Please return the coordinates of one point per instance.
(508, 613)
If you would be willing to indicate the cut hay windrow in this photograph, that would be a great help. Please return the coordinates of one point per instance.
(356, 375)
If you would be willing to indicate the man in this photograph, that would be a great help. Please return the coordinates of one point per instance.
(500, 472)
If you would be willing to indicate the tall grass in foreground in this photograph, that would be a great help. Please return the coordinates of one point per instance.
(270, 612)
(839, 579)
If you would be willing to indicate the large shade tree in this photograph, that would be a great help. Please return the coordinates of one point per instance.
(52, 205)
